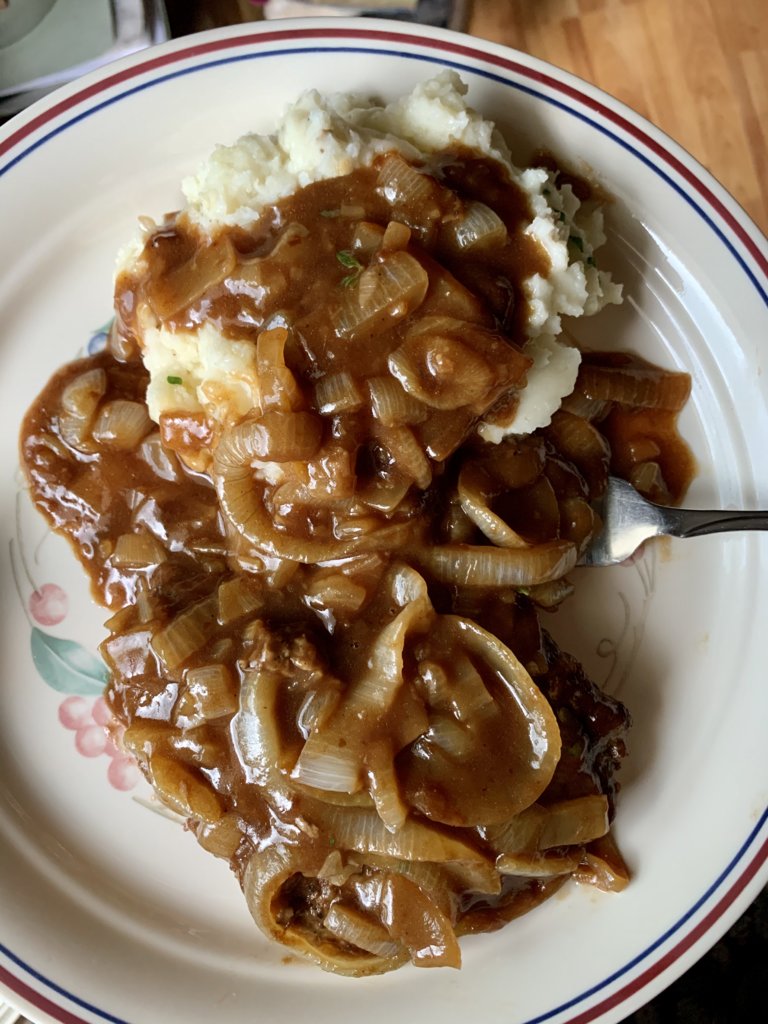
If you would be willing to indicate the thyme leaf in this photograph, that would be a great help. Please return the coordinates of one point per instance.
(349, 261)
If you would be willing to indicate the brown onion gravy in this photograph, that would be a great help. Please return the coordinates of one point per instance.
(310, 628)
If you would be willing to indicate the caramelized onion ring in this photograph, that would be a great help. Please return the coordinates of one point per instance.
(265, 876)
(519, 724)
(241, 501)
(472, 565)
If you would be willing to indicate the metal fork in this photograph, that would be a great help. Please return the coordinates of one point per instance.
(629, 519)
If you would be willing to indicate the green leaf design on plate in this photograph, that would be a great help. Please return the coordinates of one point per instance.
(66, 665)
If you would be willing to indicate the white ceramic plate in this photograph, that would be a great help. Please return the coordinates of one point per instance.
(111, 913)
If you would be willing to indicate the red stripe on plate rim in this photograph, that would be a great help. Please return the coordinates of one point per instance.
(37, 999)
(671, 956)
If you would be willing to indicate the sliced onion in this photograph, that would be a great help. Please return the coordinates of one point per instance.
(367, 238)
(267, 871)
(184, 790)
(439, 880)
(413, 919)
(161, 460)
(120, 425)
(591, 409)
(358, 929)
(392, 405)
(316, 708)
(384, 786)
(407, 455)
(237, 598)
(515, 463)
(603, 866)
(387, 291)
(479, 228)
(440, 371)
(337, 869)
(471, 790)
(646, 387)
(137, 551)
(584, 446)
(274, 437)
(208, 694)
(400, 183)
(242, 505)
(221, 838)
(185, 634)
(642, 449)
(375, 691)
(550, 595)
(648, 478)
(473, 490)
(466, 695)
(82, 395)
(521, 834)
(578, 522)
(364, 831)
(337, 392)
(145, 604)
(571, 822)
(396, 237)
(456, 526)
(178, 288)
(278, 388)
(385, 493)
(450, 736)
(337, 592)
(328, 479)
(324, 765)
(443, 357)
(256, 729)
(75, 433)
(538, 865)
(484, 566)
(444, 431)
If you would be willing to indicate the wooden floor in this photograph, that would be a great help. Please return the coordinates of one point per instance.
(697, 68)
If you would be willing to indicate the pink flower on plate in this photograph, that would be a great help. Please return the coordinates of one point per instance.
(91, 740)
(48, 604)
(123, 773)
(75, 713)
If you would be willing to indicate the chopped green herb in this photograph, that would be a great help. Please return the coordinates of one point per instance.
(174, 380)
(349, 261)
(576, 242)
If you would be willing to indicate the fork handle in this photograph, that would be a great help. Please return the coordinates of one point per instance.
(687, 522)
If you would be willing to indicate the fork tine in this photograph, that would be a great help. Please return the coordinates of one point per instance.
(628, 520)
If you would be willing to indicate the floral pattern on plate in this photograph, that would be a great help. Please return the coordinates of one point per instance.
(64, 664)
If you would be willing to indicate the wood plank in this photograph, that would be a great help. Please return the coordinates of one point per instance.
(698, 69)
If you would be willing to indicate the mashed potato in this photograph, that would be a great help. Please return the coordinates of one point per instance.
(323, 137)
